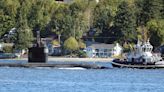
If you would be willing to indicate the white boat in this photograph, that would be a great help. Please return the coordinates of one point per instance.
(141, 57)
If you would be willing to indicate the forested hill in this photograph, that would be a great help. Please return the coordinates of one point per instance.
(108, 21)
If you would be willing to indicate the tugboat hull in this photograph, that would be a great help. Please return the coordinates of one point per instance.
(125, 64)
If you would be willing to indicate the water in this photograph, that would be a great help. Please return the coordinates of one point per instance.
(62, 80)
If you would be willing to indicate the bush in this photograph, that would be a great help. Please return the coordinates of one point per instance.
(55, 42)
(71, 44)
(82, 54)
(82, 45)
(128, 47)
(8, 49)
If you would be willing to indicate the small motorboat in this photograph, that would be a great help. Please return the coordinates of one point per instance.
(142, 57)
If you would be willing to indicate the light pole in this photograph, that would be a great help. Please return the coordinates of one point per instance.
(59, 35)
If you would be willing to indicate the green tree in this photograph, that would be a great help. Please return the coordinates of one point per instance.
(55, 42)
(6, 23)
(61, 21)
(40, 14)
(111, 5)
(79, 19)
(125, 22)
(8, 49)
(82, 45)
(148, 10)
(24, 35)
(24, 38)
(8, 12)
(70, 20)
(71, 44)
(156, 31)
(143, 33)
(103, 19)
(10, 7)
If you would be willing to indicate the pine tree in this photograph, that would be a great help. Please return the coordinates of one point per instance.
(24, 34)
(149, 9)
(125, 22)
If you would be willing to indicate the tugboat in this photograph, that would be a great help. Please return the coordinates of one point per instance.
(142, 57)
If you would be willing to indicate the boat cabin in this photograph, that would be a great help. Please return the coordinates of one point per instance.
(143, 53)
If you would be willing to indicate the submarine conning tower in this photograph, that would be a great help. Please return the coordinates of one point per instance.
(39, 52)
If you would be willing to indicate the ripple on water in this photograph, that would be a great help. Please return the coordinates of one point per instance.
(64, 80)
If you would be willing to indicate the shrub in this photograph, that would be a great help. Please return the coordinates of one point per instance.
(71, 44)
(55, 42)
(82, 45)
(8, 49)
(82, 54)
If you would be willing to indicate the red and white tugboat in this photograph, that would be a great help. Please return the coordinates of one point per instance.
(142, 57)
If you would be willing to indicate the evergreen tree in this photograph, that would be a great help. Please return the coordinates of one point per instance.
(6, 23)
(24, 35)
(156, 32)
(61, 22)
(103, 17)
(70, 20)
(40, 14)
(8, 12)
(125, 22)
(24, 38)
(148, 10)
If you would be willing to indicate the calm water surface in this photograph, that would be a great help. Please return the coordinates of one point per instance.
(61, 80)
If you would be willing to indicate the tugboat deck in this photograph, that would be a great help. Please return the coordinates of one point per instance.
(137, 66)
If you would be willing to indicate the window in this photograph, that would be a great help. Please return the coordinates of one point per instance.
(102, 50)
(109, 50)
(144, 49)
(101, 54)
(97, 50)
(105, 50)
(105, 54)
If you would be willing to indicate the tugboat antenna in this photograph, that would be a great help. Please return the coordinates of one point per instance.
(38, 39)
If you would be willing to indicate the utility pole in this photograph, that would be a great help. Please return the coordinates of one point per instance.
(74, 28)
(59, 35)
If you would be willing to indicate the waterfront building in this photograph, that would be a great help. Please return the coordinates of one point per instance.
(54, 49)
(102, 50)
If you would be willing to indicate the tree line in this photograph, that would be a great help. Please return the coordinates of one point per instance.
(108, 21)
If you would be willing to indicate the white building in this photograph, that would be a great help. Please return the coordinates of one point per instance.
(103, 50)
(1, 47)
(97, 1)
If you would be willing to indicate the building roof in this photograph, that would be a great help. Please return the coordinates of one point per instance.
(102, 45)
(89, 43)
(97, 45)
